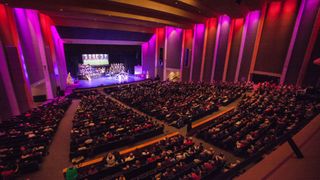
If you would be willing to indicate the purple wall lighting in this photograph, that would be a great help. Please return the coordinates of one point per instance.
(56, 53)
(148, 50)
(216, 49)
(27, 25)
(254, 16)
(225, 21)
(174, 45)
(59, 65)
(20, 15)
(199, 30)
(250, 26)
(222, 46)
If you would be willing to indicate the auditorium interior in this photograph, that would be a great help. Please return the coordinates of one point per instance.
(159, 89)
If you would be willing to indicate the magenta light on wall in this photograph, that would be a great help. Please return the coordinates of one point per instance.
(225, 21)
(153, 39)
(216, 48)
(171, 31)
(56, 39)
(200, 29)
(144, 48)
(20, 15)
(252, 19)
(254, 16)
(274, 8)
(24, 67)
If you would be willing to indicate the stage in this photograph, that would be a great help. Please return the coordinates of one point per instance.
(105, 81)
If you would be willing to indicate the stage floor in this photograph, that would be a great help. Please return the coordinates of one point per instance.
(105, 81)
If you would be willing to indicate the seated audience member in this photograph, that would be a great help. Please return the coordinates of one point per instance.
(178, 103)
(24, 139)
(170, 158)
(100, 124)
(111, 160)
(72, 173)
(270, 113)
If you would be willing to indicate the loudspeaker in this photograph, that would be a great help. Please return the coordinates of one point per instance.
(39, 98)
(161, 56)
(186, 57)
(61, 93)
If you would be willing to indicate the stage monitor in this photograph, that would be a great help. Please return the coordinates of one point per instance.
(95, 59)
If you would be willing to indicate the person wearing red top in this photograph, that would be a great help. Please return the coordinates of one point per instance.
(208, 166)
(151, 159)
(188, 141)
(194, 176)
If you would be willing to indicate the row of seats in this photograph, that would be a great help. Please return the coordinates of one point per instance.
(101, 124)
(264, 118)
(171, 158)
(24, 139)
(178, 103)
(78, 94)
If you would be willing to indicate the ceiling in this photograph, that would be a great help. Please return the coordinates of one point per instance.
(136, 15)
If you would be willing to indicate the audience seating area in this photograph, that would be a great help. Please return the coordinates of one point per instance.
(171, 158)
(78, 94)
(264, 118)
(24, 139)
(178, 103)
(100, 124)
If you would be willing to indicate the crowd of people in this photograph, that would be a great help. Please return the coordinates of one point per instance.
(78, 94)
(271, 113)
(101, 124)
(24, 139)
(172, 158)
(178, 103)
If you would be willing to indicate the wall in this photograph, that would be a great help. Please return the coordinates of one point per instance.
(211, 28)
(160, 44)
(13, 69)
(186, 55)
(308, 17)
(251, 27)
(174, 46)
(29, 56)
(222, 45)
(276, 34)
(196, 60)
(235, 48)
(148, 56)
(312, 77)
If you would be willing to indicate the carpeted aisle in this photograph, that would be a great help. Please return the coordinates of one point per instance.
(58, 157)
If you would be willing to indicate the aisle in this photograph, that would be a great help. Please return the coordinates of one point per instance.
(58, 157)
(183, 131)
